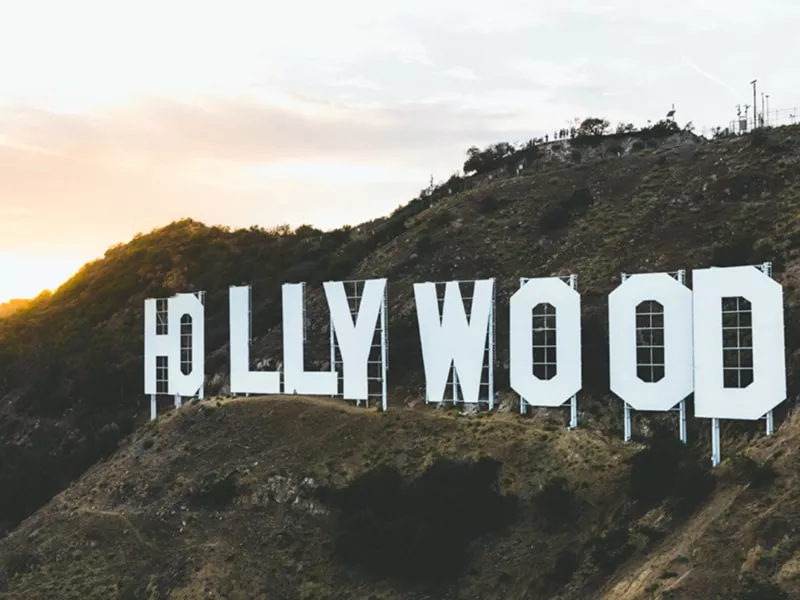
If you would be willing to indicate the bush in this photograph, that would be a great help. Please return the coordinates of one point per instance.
(564, 567)
(107, 439)
(744, 249)
(441, 219)
(554, 217)
(753, 588)
(558, 215)
(763, 138)
(747, 471)
(579, 201)
(15, 563)
(611, 549)
(215, 491)
(418, 531)
(487, 204)
(668, 470)
(556, 503)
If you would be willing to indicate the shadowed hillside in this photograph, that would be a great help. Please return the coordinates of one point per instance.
(71, 381)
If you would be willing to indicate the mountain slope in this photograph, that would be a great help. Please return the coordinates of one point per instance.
(158, 515)
(233, 499)
(70, 374)
(9, 308)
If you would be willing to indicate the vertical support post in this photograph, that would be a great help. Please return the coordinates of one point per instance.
(333, 354)
(178, 402)
(491, 349)
(573, 402)
(766, 268)
(627, 426)
(682, 418)
(249, 328)
(384, 352)
(351, 301)
(455, 384)
(523, 405)
(681, 276)
(715, 449)
(573, 412)
(627, 422)
(153, 407)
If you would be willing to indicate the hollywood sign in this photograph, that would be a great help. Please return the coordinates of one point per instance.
(722, 340)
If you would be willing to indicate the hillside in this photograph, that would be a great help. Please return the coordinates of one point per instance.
(70, 379)
(277, 498)
(9, 308)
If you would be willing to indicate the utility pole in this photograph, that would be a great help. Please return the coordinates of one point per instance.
(767, 110)
(763, 116)
(755, 110)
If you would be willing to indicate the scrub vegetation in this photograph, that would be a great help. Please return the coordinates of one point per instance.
(312, 498)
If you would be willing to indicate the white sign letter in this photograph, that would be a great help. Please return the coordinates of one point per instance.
(355, 340)
(296, 380)
(181, 307)
(566, 342)
(182, 348)
(450, 339)
(155, 344)
(243, 380)
(650, 341)
(740, 368)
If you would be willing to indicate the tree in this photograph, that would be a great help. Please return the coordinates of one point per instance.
(664, 128)
(491, 157)
(593, 126)
(625, 128)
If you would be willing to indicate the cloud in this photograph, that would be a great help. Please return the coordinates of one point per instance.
(463, 73)
(123, 117)
(359, 82)
(96, 179)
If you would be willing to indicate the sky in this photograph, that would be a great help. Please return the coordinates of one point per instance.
(120, 117)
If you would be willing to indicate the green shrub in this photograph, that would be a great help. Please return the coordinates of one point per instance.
(755, 588)
(556, 503)
(214, 491)
(564, 567)
(669, 470)
(610, 549)
(747, 471)
(15, 563)
(418, 531)
(441, 219)
(107, 439)
(559, 214)
(554, 217)
(487, 204)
